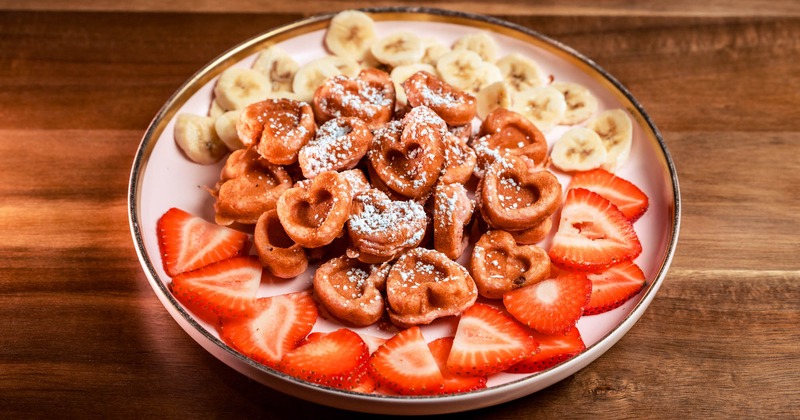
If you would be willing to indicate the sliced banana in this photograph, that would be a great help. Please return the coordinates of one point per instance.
(544, 106)
(520, 72)
(215, 110)
(462, 69)
(496, 95)
(238, 87)
(488, 74)
(346, 66)
(350, 34)
(481, 43)
(581, 104)
(399, 75)
(615, 129)
(434, 48)
(278, 66)
(579, 149)
(398, 49)
(225, 126)
(196, 136)
(311, 76)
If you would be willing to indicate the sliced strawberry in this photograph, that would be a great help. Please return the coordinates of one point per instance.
(440, 348)
(336, 359)
(373, 341)
(404, 364)
(614, 286)
(550, 306)
(628, 198)
(488, 341)
(592, 233)
(276, 327)
(311, 337)
(188, 242)
(553, 349)
(366, 385)
(226, 288)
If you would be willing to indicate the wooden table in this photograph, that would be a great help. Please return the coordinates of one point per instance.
(83, 335)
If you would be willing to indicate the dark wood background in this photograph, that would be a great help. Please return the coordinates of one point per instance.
(83, 335)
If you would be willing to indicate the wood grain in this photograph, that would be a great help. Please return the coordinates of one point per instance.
(83, 335)
(507, 7)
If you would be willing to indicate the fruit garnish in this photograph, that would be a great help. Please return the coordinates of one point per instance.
(336, 359)
(276, 327)
(552, 305)
(188, 242)
(614, 286)
(592, 233)
(553, 349)
(405, 364)
(440, 348)
(226, 288)
(488, 341)
(628, 198)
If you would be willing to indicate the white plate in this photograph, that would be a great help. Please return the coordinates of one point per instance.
(162, 178)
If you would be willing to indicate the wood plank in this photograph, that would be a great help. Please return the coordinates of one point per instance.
(84, 334)
(740, 193)
(702, 330)
(107, 71)
(121, 69)
(507, 7)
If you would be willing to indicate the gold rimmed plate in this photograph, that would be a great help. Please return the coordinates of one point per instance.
(162, 177)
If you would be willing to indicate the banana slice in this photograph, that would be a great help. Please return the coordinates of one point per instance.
(579, 149)
(520, 73)
(225, 126)
(278, 66)
(215, 110)
(544, 106)
(400, 73)
(433, 50)
(196, 136)
(311, 76)
(462, 69)
(581, 104)
(496, 95)
(238, 87)
(346, 66)
(399, 48)
(615, 129)
(489, 73)
(350, 34)
(481, 43)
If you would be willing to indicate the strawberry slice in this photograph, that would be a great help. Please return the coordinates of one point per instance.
(226, 288)
(550, 306)
(440, 348)
(553, 349)
(405, 364)
(614, 286)
(188, 242)
(628, 198)
(592, 233)
(337, 359)
(488, 341)
(366, 385)
(276, 327)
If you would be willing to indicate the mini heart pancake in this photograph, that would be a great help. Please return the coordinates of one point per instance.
(313, 214)
(498, 265)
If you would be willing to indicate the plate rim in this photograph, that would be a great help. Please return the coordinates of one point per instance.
(378, 403)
